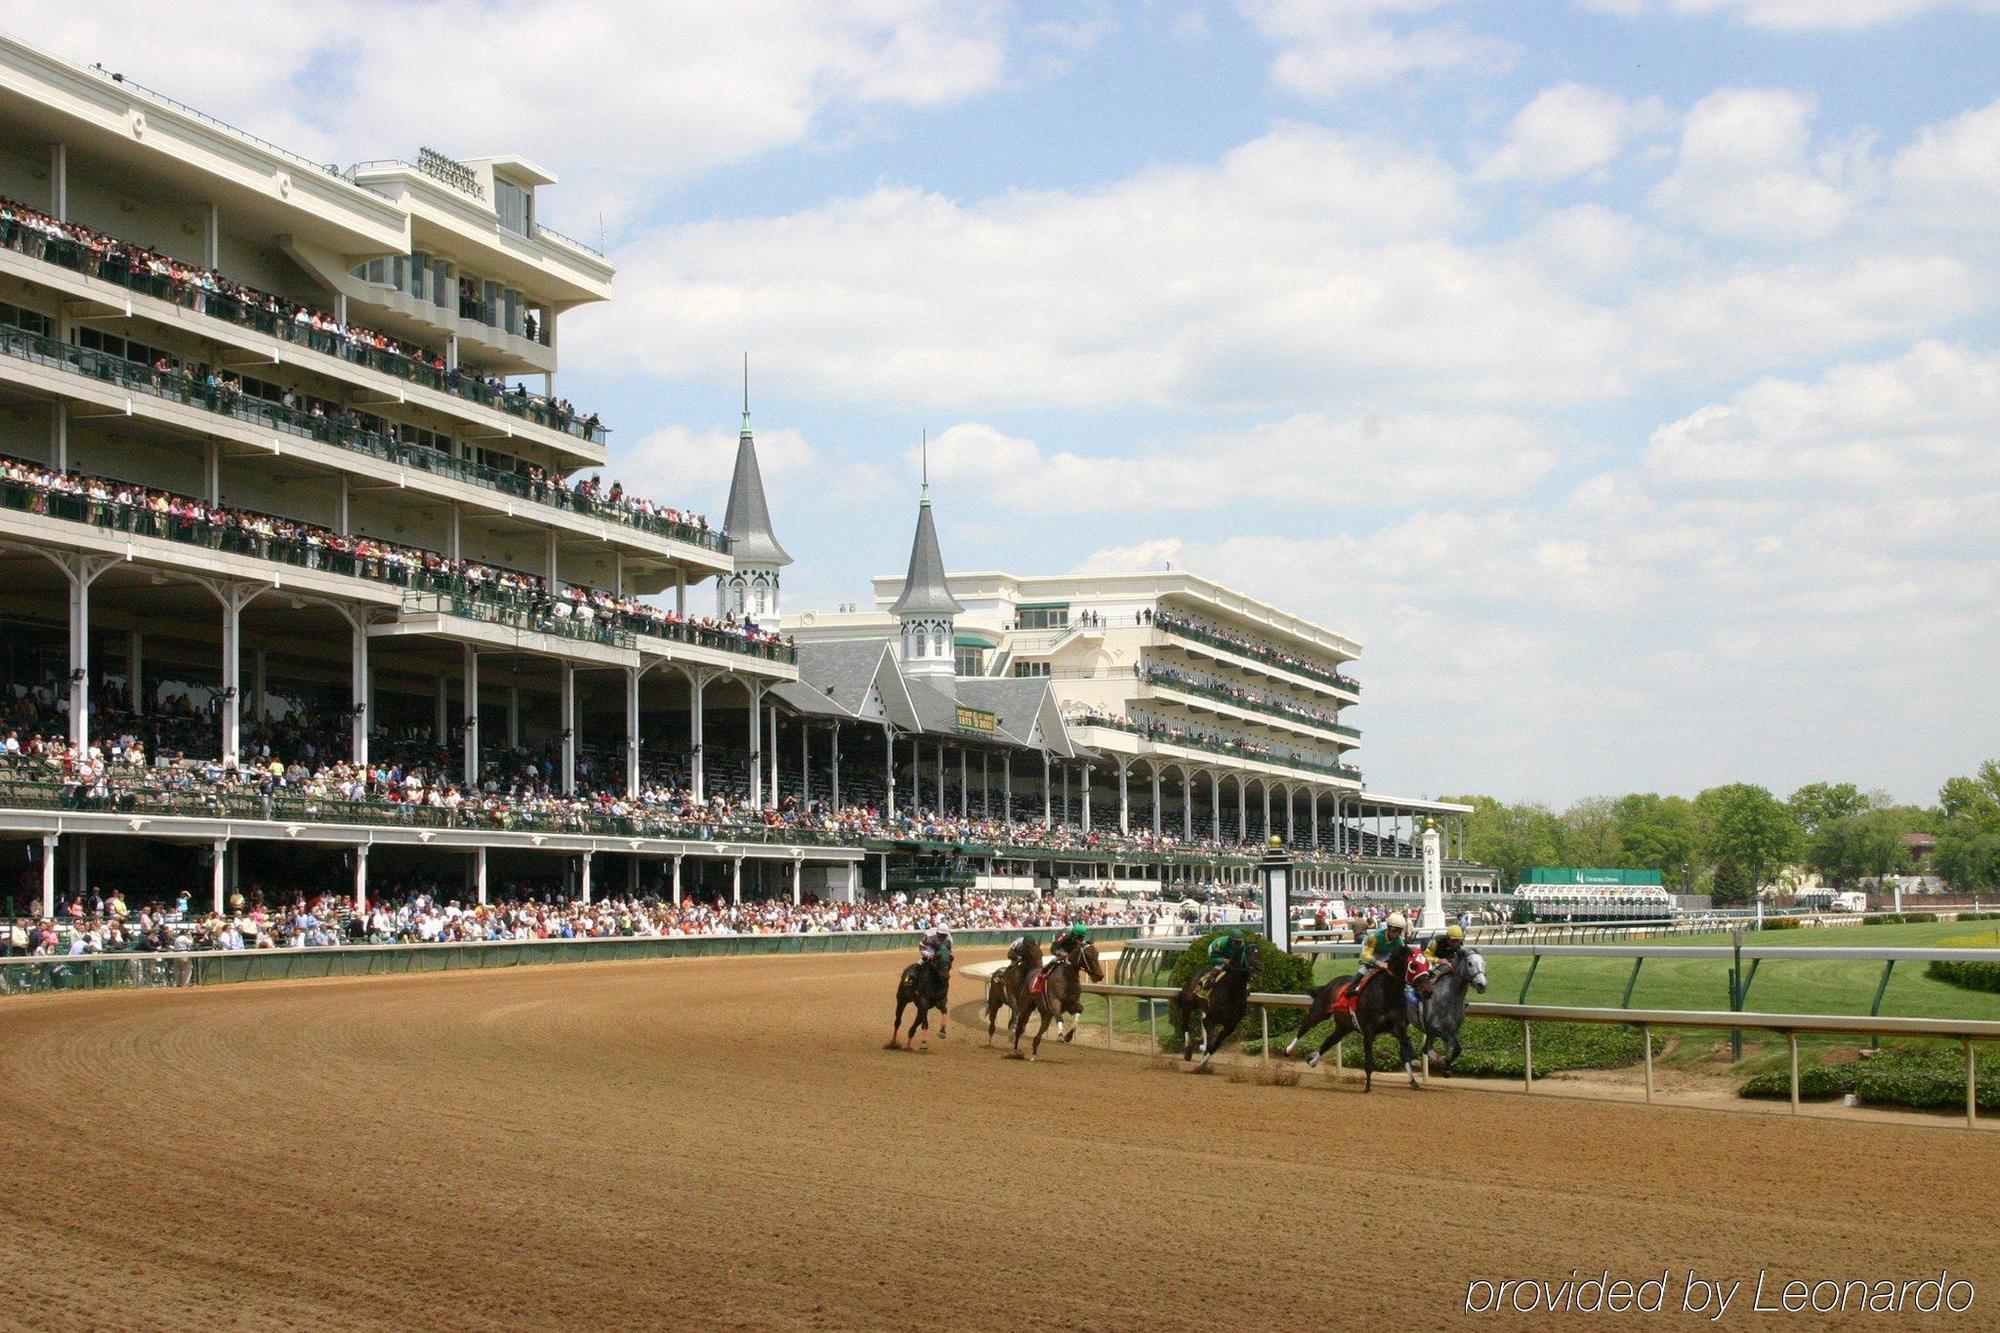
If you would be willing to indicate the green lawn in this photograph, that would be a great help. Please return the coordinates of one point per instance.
(1796, 987)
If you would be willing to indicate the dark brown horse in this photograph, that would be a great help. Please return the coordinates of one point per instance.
(927, 985)
(1378, 1008)
(1007, 988)
(1061, 995)
(1209, 1017)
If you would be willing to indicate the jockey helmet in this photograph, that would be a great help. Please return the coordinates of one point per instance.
(1397, 921)
(1077, 930)
(1455, 931)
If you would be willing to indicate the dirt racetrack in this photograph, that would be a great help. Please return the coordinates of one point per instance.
(725, 1143)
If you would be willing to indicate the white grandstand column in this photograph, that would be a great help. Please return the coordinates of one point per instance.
(736, 880)
(985, 785)
(677, 881)
(340, 515)
(1215, 804)
(357, 741)
(1242, 808)
(1083, 780)
(471, 719)
(361, 878)
(853, 881)
(234, 597)
(631, 732)
(59, 182)
(81, 571)
(771, 743)
(566, 727)
(1267, 809)
(211, 472)
(1048, 792)
(218, 872)
(680, 592)
(797, 871)
(964, 785)
(479, 880)
(834, 794)
(1124, 797)
(454, 544)
(49, 842)
(805, 759)
(1155, 766)
(211, 237)
(756, 759)
(584, 875)
(1187, 806)
(888, 771)
(697, 688)
(1312, 827)
(1007, 785)
(551, 570)
(1291, 829)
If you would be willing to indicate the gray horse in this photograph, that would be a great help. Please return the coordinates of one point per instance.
(1439, 1019)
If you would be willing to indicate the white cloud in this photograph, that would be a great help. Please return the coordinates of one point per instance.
(1949, 173)
(1795, 15)
(1327, 48)
(620, 99)
(1747, 169)
(1569, 129)
(1305, 460)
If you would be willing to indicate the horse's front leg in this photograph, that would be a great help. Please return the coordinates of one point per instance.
(1341, 1027)
(1314, 1017)
(1036, 1049)
(1409, 1055)
(896, 1027)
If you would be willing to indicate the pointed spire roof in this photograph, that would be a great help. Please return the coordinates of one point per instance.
(747, 519)
(925, 592)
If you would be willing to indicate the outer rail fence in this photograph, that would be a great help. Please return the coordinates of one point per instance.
(1966, 1031)
(134, 971)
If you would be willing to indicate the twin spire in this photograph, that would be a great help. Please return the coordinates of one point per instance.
(747, 519)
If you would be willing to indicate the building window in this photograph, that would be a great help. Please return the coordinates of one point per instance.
(969, 662)
(1044, 617)
(1027, 669)
(515, 205)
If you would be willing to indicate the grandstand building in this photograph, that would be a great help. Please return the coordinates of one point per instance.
(288, 485)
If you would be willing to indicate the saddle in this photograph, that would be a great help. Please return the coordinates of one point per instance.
(1040, 981)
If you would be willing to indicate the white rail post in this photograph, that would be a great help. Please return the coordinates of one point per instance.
(1527, 1056)
(1153, 1021)
(1647, 1032)
(1264, 1012)
(1971, 1088)
(1792, 1039)
(1110, 1030)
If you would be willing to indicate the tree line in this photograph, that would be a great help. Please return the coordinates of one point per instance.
(1730, 839)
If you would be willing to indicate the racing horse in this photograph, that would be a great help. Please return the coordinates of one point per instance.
(1216, 1011)
(1440, 1018)
(927, 985)
(1007, 988)
(1372, 1005)
(1059, 994)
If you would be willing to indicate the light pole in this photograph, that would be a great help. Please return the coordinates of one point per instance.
(1433, 878)
(1275, 870)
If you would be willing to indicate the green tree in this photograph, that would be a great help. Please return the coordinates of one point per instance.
(1587, 834)
(1747, 835)
(1818, 804)
(1968, 831)
(1510, 838)
(1659, 833)
(1851, 846)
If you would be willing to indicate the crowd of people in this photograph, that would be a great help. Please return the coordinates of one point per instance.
(104, 923)
(1175, 733)
(1241, 644)
(150, 512)
(1254, 699)
(32, 231)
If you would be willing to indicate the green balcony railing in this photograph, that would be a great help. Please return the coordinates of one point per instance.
(1260, 653)
(179, 388)
(433, 587)
(1166, 736)
(110, 266)
(1254, 703)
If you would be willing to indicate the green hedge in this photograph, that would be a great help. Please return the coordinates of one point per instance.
(1277, 972)
(1780, 923)
(1916, 1077)
(1899, 918)
(1977, 916)
(1493, 1047)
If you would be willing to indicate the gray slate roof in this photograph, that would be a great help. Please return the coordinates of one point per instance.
(748, 518)
(925, 592)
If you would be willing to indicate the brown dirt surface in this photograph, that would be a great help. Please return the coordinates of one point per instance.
(726, 1143)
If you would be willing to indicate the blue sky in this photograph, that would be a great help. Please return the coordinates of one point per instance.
(1623, 374)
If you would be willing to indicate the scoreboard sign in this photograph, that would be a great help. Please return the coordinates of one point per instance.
(978, 721)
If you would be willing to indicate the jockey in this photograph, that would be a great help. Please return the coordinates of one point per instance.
(1446, 947)
(1382, 947)
(1068, 946)
(936, 946)
(1022, 955)
(1231, 949)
